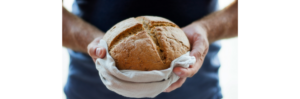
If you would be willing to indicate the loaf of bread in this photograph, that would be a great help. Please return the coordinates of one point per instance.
(146, 43)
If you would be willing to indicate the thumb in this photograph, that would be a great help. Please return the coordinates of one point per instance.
(97, 51)
(186, 72)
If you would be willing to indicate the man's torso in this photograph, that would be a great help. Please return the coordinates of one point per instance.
(84, 82)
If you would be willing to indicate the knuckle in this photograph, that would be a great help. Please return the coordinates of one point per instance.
(197, 34)
(193, 73)
(179, 85)
(205, 52)
(197, 53)
(90, 50)
(201, 53)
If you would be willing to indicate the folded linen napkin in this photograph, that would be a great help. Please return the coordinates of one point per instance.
(138, 84)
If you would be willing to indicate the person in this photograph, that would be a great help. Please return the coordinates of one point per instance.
(199, 19)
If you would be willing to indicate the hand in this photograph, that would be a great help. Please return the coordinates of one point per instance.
(96, 51)
(197, 36)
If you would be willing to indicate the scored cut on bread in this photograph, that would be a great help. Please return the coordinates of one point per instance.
(146, 43)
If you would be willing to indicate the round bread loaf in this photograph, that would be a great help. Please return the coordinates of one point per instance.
(146, 43)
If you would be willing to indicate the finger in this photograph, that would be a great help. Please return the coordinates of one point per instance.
(96, 51)
(186, 72)
(176, 85)
(200, 49)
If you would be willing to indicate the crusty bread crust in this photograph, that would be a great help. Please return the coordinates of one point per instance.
(122, 29)
(146, 43)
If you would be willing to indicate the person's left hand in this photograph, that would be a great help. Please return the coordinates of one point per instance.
(197, 36)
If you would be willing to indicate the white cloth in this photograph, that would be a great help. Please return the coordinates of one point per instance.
(138, 84)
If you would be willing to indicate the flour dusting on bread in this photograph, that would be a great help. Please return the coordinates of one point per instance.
(146, 43)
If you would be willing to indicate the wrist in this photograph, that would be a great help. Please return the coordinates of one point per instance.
(196, 33)
(200, 29)
(98, 35)
(208, 30)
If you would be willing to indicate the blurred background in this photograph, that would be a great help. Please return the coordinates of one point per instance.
(228, 57)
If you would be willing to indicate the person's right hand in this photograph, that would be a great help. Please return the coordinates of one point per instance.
(96, 51)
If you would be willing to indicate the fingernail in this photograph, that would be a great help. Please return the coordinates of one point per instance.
(98, 52)
(178, 73)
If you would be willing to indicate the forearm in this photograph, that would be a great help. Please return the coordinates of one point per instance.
(221, 24)
(77, 34)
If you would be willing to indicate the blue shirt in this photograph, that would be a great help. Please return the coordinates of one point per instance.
(83, 79)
